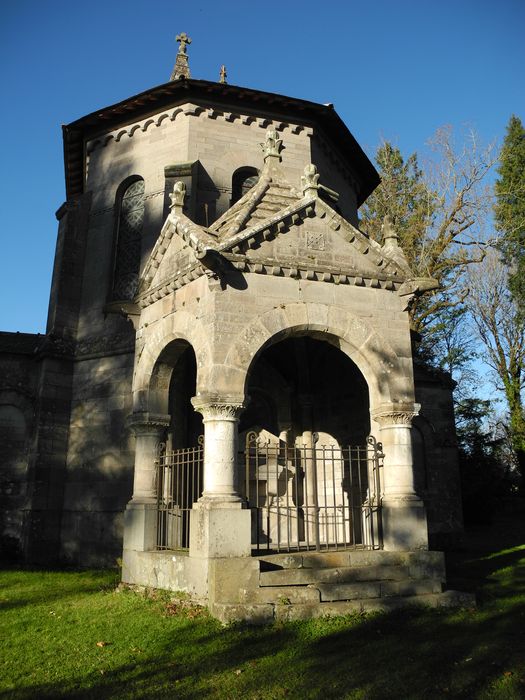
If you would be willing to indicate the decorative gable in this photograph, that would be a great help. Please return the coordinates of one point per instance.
(278, 230)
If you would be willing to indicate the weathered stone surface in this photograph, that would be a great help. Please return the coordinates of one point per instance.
(348, 591)
(274, 314)
(331, 575)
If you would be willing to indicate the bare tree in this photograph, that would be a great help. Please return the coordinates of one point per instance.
(439, 214)
(501, 328)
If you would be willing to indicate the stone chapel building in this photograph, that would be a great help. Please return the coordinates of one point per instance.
(226, 390)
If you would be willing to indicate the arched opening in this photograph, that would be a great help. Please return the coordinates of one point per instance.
(179, 469)
(129, 219)
(306, 384)
(243, 180)
(310, 470)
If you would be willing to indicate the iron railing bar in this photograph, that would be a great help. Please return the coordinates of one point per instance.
(325, 504)
(335, 520)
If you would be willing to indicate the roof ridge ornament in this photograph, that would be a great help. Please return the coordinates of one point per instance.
(389, 232)
(177, 197)
(181, 68)
(310, 181)
(273, 145)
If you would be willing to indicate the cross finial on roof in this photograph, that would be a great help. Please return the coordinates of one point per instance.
(184, 39)
(222, 74)
(181, 68)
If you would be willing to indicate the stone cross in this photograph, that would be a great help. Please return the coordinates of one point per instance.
(184, 39)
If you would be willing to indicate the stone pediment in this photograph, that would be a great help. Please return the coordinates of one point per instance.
(279, 230)
(175, 252)
(310, 235)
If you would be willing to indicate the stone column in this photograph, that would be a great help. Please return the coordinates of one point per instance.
(403, 512)
(140, 519)
(220, 523)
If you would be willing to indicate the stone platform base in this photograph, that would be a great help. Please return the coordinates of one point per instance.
(300, 586)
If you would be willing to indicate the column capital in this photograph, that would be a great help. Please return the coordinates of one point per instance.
(146, 422)
(396, 414)
(218, 407)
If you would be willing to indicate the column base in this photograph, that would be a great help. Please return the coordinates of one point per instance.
(404, 524)
(140, 526)
(219, 529)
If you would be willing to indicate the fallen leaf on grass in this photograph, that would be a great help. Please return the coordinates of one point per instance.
(102, 644)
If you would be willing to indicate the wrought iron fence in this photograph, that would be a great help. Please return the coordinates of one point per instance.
(313, 496)
(179, 479)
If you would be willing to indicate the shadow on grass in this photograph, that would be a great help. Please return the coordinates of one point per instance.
(42, 588)
(409, 654)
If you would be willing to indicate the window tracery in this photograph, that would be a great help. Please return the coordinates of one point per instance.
(130, 206)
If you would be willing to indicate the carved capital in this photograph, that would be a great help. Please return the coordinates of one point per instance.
(402, 414)
(218, 408)
(146, 423)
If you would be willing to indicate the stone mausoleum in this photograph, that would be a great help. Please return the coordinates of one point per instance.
(225, 396)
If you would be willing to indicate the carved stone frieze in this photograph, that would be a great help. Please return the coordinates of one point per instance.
(105, 344)
(56, 346)
(315, 240)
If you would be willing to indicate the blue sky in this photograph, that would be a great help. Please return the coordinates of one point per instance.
(393, 69)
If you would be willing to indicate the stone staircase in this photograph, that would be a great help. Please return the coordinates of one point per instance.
(310, 584)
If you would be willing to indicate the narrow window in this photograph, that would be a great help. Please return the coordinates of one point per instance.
(130, 217)
(243, 180)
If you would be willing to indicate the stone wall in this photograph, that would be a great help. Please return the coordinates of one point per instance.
(18, 392)
(435, 446)
(100, 455)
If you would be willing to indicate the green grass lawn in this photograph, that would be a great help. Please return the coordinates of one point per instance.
(75, 635)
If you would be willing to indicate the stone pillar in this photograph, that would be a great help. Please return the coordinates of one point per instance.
(140, 519)
(403, 512)
(220, 524)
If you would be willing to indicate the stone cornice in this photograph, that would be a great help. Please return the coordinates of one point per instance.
(273, 268)
(194, 110)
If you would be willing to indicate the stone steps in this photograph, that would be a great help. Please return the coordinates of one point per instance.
(303, 585)
(265, 613)
(344, 574)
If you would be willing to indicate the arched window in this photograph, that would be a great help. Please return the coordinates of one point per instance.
(243, 180)
(130, 217)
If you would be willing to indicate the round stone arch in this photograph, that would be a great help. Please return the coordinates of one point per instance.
(382, 369)
(162, 344)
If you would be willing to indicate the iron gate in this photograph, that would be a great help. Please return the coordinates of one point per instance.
(313, 496)
(179, 479)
